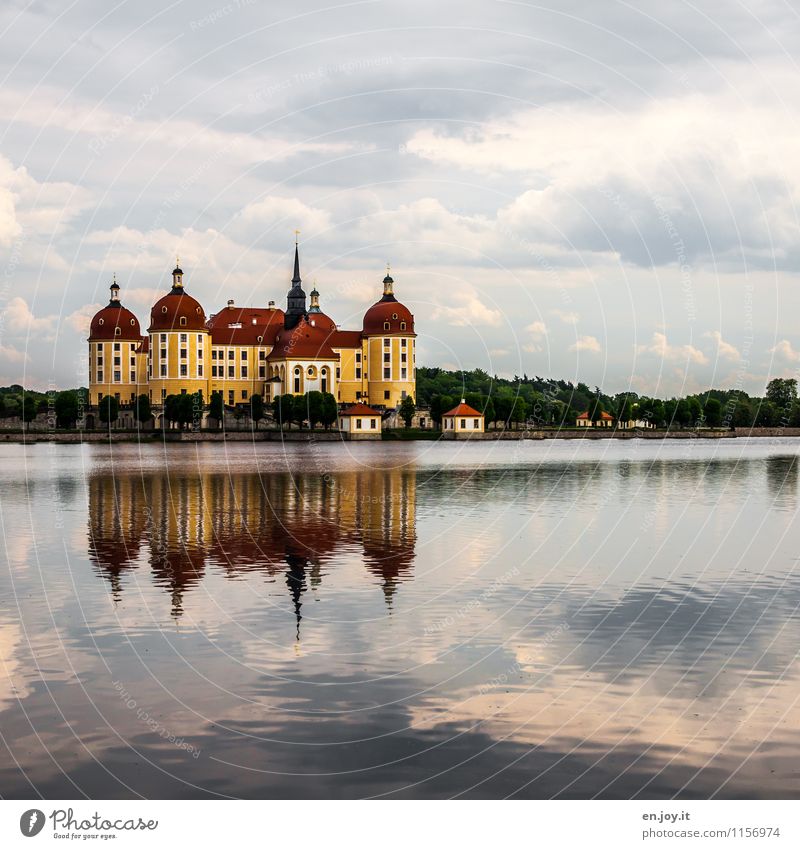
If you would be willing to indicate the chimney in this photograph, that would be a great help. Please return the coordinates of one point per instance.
(463, 401)
(271, 305)
(230, 304)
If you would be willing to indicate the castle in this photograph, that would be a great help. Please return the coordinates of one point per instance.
(247, 351)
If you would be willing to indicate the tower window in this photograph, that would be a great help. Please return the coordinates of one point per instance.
(386, 356)
(117, 331)
(403, 327)
(230, 371)
(184, 353)
(163, 370)
(387, 374)
(230, 354)
(184, 370)
(358, 356)
(244, 355)
(386, 342)
(385, 325)
(199, 370)
(183, 321)
(386, 395)
(183, 338)
(116, 346)
(394, 316)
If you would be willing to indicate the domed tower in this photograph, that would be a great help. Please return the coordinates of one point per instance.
(114, 337)
(316, 317)
(390, 357)
(179, 345)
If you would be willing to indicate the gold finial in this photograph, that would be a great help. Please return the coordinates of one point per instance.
(114, 277)
(388, 268)
(177, 261)
(296, 235)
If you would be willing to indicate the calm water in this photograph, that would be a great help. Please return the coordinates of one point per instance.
(533, 619)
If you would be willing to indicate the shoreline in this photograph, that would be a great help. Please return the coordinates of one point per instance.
(115, 436)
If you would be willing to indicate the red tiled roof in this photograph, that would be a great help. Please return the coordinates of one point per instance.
(463, 410)
(244, 326)
(604, 416)
(388, 310)
(319, 319)
(359, 410)
(303, 342)
(345, 339)
(144, 345)
(168, 311)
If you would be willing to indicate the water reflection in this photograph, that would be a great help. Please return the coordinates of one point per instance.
(536, 620)
(181, 525)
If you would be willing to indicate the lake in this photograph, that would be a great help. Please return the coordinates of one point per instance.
(511, 619)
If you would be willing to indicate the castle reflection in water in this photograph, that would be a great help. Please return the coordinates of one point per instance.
(180, 525)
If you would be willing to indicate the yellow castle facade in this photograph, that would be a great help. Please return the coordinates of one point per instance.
(246, 351)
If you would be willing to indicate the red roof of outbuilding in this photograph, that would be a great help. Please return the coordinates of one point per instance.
(359, 410)
(244, 326)
(463, 410)
(604, 416)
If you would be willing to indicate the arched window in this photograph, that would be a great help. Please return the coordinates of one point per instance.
(324, 379)
(402, 325)
(183, 321)
(101, 321)
(133, 322)
(297, 373)
(394, 316)
(117, 331)
(163, 309)
(385, 325)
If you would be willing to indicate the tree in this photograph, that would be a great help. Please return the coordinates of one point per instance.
(713, 412)
(108, 408)
(172, 409)
(407, 410)
(440, 404)
(2, 406)
(519, 411)
(27, 408)
(488, 410)
(186, 408)
(283, 410)
(782, 392)
(66, 408)
(256, 409)
(216, 408)
(313, 407)
(330, 410)
(143, 411)
(299, 410)
(596, 411)
(503, 405)
(695, 411)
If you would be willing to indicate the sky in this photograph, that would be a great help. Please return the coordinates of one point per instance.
(590, 190)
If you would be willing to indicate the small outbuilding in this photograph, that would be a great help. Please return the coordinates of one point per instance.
(462, 421)
(360, 422)
(584, 420)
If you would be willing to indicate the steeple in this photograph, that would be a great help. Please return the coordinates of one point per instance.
(296, 299)
(114, 288)
(177, 278)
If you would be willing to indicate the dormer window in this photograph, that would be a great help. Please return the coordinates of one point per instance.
(183, 321)
(101, 321)
(385, 325)
(402, 325)
(394, 316)
(164, 310)
(133, 322)
(117, 331)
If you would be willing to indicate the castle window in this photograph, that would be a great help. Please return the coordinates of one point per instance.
(101, 321)
(163, 370)
(183, 338)
(358, 424)
(386, 342)
(262, 371)
(387, 374)
(244, 371)
(475, 424)
(164, 335)
(230, 371)
(262, 355)
(199, 353)
(244, 394)
(163, 309)
(358, 356)
(230, 397)
(133, 322)
(199, 370)
(312, 372)
(338, 373)
(163, 353)
(230, 354)
(403, 357)
(358, 374)
(403, 374)
(199, 338)
(116, 346)
(385, 325)
(386, 395)
(184, 370)
(184, 353)
(403, 327)
(373, 424)
(394, 316)
(183, 321)
(213, 371)
(100, 378)
(117, 361)
(244, 355)
(403, 341)
(386, 356)
(117, 376)
(117, 331)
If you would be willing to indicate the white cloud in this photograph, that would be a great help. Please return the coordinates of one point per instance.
(784, 351)
(12, 355)
(725, 350)
(566, 317)
(468, 310)
(586, 343)
(672, 353)
(18, 320)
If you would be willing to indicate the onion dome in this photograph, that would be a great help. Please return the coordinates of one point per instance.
(302, 342)
(177, 310)
(388, 316)
(114, 321)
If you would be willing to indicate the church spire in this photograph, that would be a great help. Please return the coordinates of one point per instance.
(296, 279)
(296, 299)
